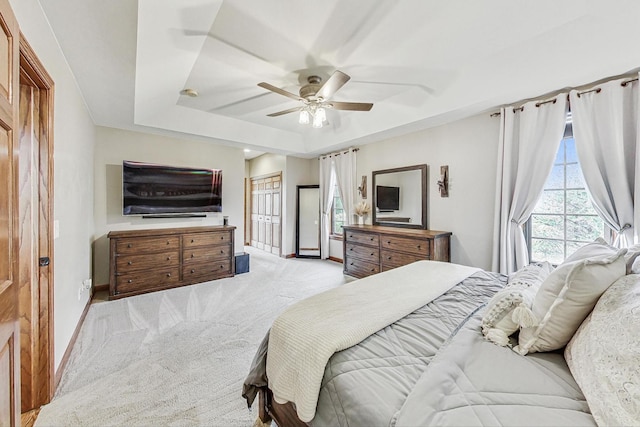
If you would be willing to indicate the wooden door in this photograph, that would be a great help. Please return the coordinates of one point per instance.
(266, 213)
(9, 326)
(35, 230)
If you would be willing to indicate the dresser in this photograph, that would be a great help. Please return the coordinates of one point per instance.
(151, 260)
(370, 249)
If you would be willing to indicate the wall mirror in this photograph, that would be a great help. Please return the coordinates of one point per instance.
(400, 197)
(308, 221)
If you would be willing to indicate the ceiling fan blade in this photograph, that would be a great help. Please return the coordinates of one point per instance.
(352, 106)
(331, 86)
(280, 113)
(272, 88)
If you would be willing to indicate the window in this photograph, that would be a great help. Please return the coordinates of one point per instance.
(337, 213)
(564, 218)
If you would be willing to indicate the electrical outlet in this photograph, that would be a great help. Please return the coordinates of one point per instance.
(86, 284)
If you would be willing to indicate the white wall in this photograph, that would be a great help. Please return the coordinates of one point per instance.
(74, 135)
(114, 145)
(469, 147)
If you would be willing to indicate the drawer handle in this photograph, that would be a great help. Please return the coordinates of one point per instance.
(350, 235)
(388, 242)
(221, 267)
(168, 274)
(192, 240)
(418, 246)
(371, 239)
(351, 264)
(168, 258)
(168, 242)
(371, 253)
(221, 237)
(192, 255)
(350, 249)
(129, 281)
(193, 271)
(373, 269)
(389, 257)
(129, 263)
(129, 245)
(221, 251)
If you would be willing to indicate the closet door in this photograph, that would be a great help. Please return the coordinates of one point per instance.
(265, 213)
(9, 326)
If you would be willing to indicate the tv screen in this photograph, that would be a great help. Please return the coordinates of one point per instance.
(387, 198)
(157, 189)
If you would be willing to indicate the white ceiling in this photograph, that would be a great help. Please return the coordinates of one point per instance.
(421, 62)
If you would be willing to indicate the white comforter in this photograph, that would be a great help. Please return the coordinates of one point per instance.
(307, 334)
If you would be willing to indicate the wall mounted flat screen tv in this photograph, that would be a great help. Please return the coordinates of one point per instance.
(150, 189)
(387, 198)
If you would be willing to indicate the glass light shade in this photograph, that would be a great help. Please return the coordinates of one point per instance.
(317, 120)
(304, 117)
(321, 113)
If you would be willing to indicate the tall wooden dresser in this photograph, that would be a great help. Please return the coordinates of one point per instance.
(370, 249)
(151, 260)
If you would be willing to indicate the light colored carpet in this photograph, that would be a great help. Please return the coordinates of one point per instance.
(179, 357)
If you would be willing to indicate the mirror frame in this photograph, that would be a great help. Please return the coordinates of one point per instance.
(423, 179)
(298, 188)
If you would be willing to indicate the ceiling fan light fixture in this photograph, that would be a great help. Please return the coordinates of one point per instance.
(319, 118)
(304, 117)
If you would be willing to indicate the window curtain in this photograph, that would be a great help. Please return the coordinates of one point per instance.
(345, 167)
(327, 184)
(605, 128)
(529, 139)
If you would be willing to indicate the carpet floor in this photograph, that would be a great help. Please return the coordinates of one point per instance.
(179, 357)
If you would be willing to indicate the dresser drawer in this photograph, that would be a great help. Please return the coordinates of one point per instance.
(359, 268)
(414, 246)
(364, 238)
(206, 239)
(208, 271)
(367, 253)
(391, 259)
(206, 254)
(126, 263)
(141, 280)
(147, 244)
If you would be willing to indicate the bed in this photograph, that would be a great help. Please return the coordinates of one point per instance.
(445, 362)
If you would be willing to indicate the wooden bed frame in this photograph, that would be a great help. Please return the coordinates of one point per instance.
(284, 415)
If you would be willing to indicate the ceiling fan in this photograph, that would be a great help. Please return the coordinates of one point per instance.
(315, 98)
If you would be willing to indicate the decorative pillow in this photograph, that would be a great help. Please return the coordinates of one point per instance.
(510, 307)
(603, 355)
(565, 299)
(633, 266)
(600, 247)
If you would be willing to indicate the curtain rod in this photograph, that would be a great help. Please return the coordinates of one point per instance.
(337, 153)
(538, 104)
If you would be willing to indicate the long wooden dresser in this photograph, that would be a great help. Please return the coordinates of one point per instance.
(151, 260)
(370, 249)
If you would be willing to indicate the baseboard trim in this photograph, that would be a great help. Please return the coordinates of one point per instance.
(332, 258)
(290, 256)
(100, 288)
(67, 353)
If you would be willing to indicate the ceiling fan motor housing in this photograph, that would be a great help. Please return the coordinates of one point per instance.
(309, 91)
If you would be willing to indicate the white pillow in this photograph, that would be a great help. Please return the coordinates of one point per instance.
(600, 247)
(566, 298)
(510, 307)
(604, 355)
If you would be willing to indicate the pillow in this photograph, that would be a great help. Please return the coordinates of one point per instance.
(600, 247)
(633, 252)
(565, 299)
(603, 355)
(510, 307)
